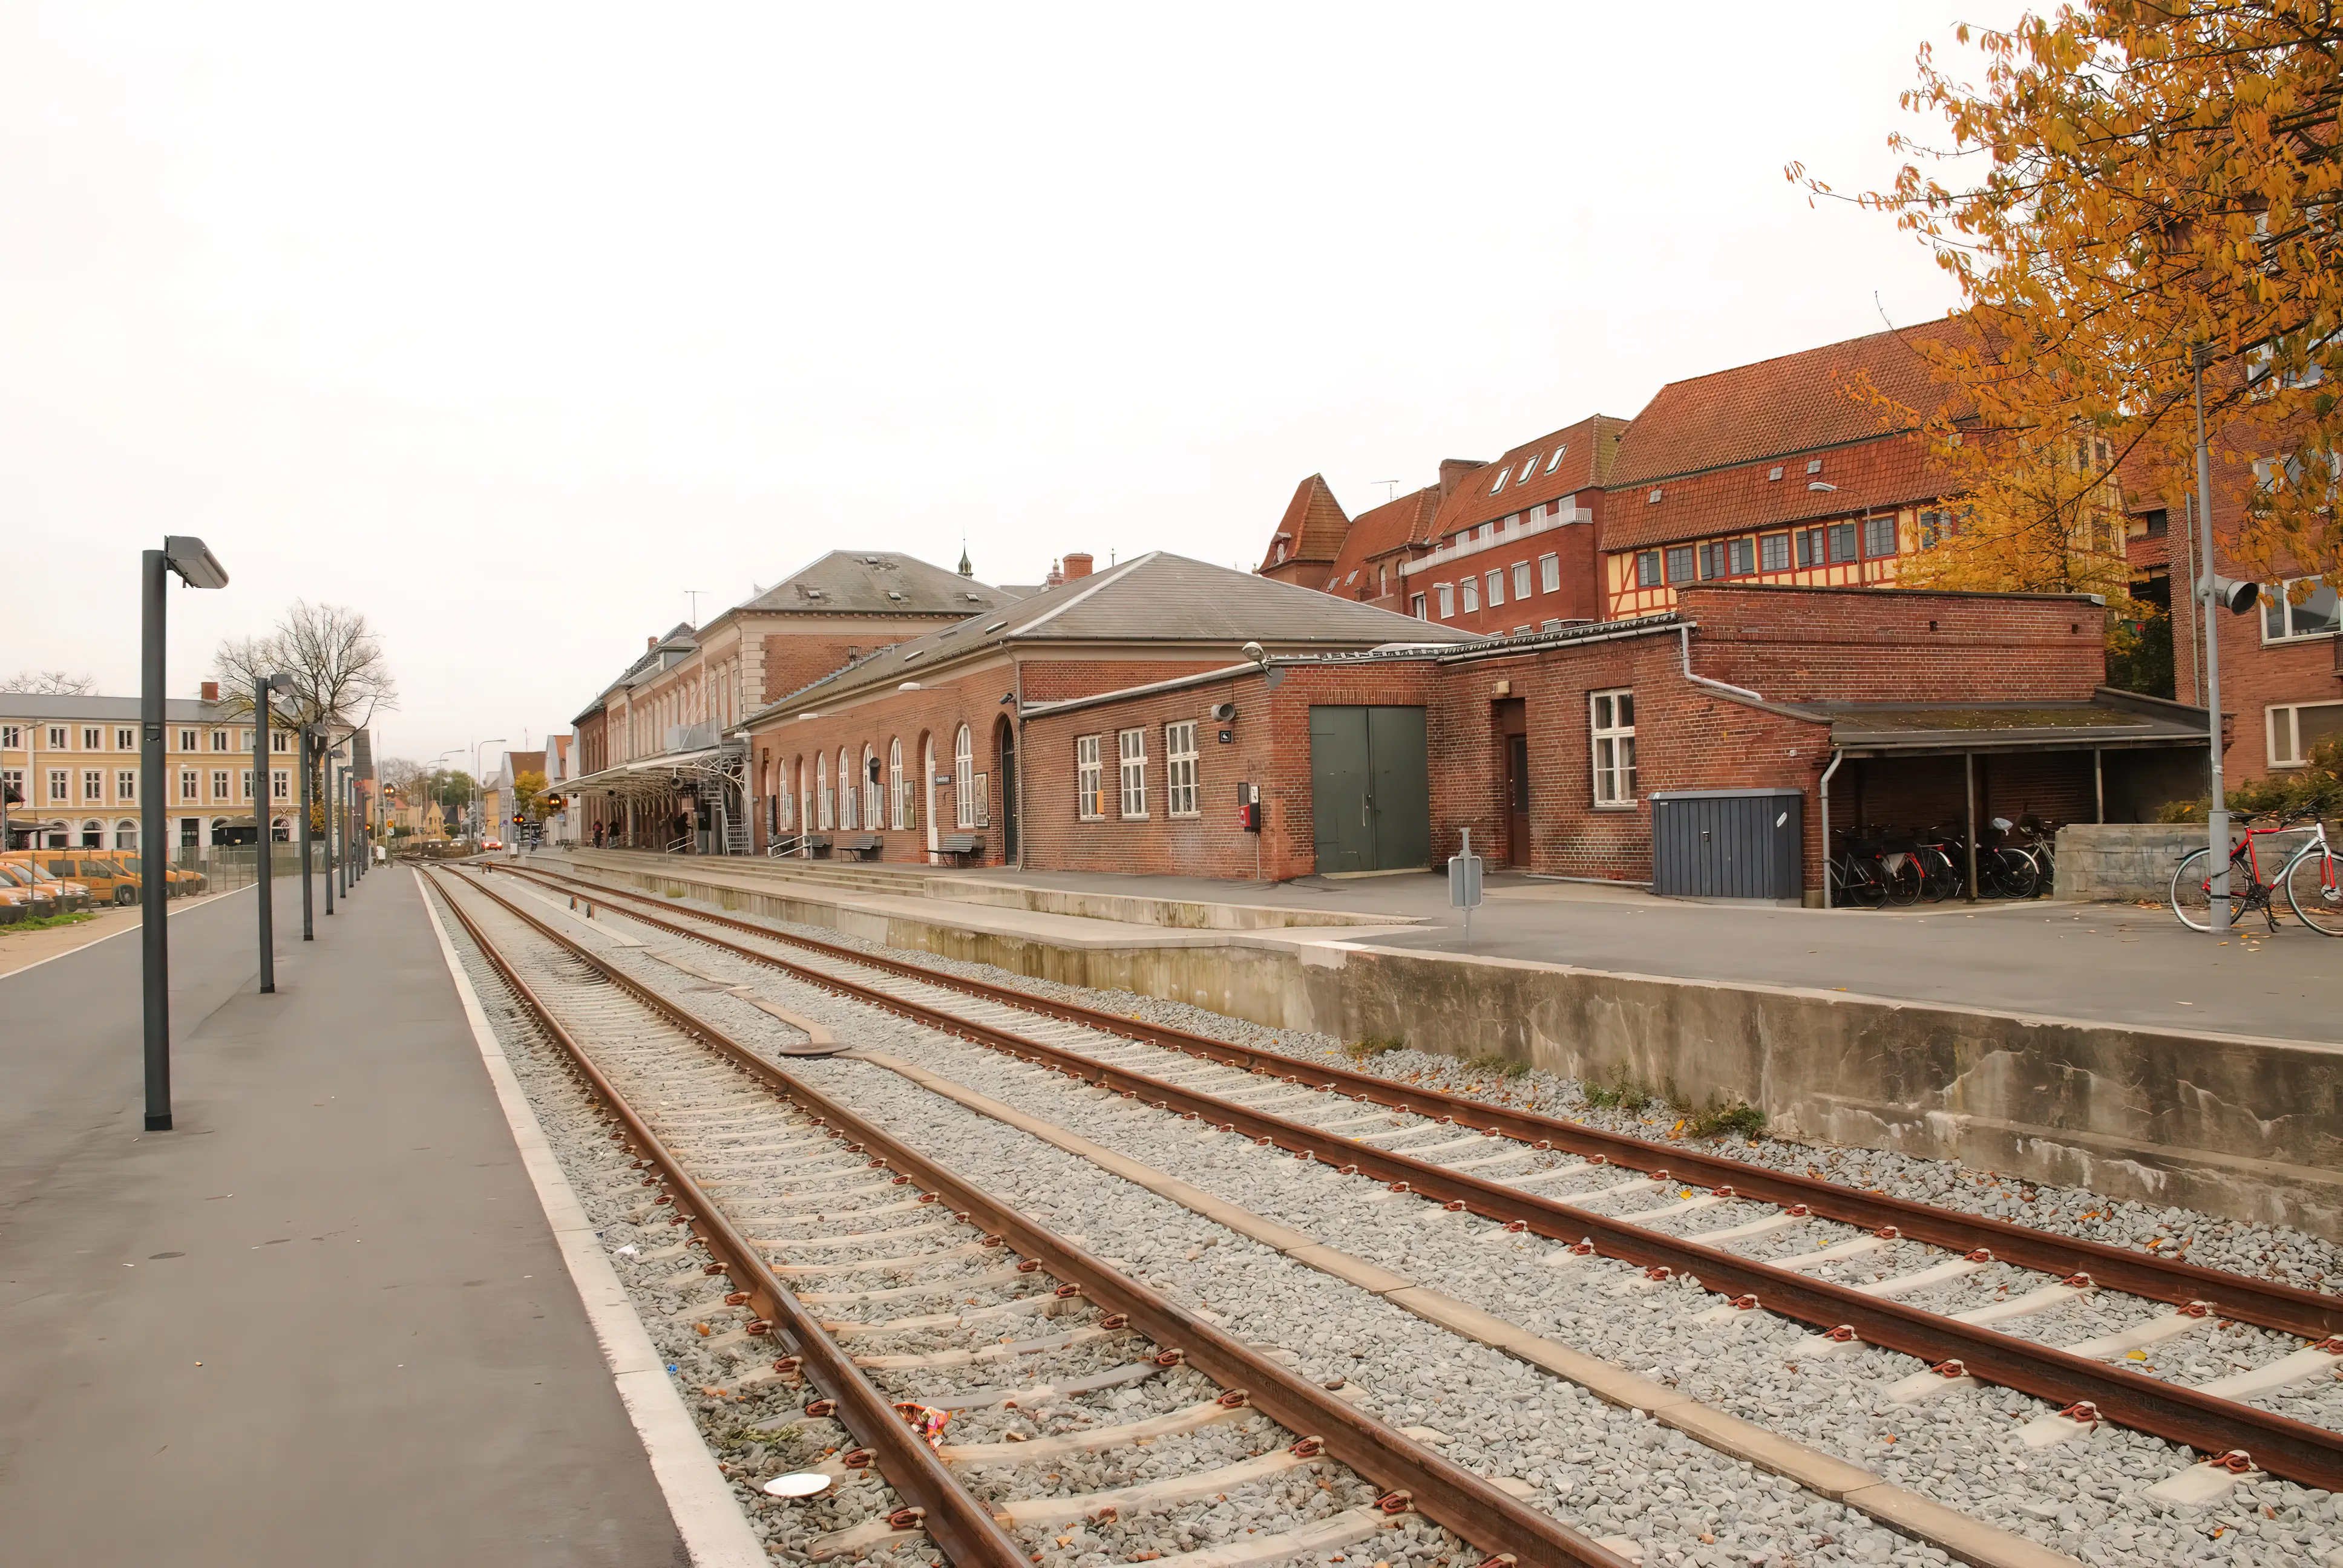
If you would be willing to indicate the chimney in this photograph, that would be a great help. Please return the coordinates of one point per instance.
(649, 643)
(211, 691)
(1452, 471)
(1078, 564)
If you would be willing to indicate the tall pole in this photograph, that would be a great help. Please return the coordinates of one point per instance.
(333, 785)
(308, 794)
(2216, 815)
(262, 802)
(154, 887)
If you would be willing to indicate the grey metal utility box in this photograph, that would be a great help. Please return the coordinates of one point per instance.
(1729, 844)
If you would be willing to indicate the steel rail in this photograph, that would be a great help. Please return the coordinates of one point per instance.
(2296, 1450)
(2265, 1303)
(961, 1524)
(1427, 1482)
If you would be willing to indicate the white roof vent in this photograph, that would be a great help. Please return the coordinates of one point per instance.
(1814, 465)
(1774, 474)
(1652, 498)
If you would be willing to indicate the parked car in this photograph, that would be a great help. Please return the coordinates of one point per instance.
(64, 896)
(16, 904)
(180, 882)
(41, 892)
(108, 880)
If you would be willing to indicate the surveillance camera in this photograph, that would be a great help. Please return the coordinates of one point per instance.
(2237, 597)
(1254, 651)
(1222, 712)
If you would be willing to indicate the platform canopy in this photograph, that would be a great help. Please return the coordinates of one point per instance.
(2111, 721)
(657, 777)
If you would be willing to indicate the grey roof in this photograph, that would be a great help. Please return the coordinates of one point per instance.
(876, 582)
(2109, 720)
(1154, 597)
(107, 709)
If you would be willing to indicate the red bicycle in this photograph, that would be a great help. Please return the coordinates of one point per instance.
(2311, 876)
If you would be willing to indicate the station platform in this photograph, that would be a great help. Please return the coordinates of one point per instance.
(325, 1319)
(2098, 1045)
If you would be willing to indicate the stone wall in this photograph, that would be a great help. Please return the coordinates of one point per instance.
(2131, 862)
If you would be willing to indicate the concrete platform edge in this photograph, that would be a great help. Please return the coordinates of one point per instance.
(698, 1498)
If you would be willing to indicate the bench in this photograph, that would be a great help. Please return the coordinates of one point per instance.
(863, 844)
(816, 843)
(960, 846)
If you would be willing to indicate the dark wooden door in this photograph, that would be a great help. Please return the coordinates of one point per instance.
(1517, 800)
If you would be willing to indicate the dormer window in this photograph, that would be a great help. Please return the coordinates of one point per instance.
(1814, 465)
(1652, 499)
(1775, 473)
(1555, 461)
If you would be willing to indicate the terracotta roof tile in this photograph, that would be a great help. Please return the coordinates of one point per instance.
(1885, 471)
(1531, 476)
(1313, 528)
(1382, 530)
(1797, 403)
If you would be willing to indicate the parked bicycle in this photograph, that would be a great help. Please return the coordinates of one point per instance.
(2311, 878)
(1871, 874)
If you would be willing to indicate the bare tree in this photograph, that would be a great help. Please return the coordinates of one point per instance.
(399, 774)
(48, 683)
(341, 678)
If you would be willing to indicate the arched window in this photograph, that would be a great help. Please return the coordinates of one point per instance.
(964, 780)
(125, 835)
(874, 814)
(848, 815)
(93, 835)
(897, 793)
(822, 785)
(280, 829)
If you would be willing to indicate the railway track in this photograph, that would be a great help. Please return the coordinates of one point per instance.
(778, 1181)
(1468, 1155)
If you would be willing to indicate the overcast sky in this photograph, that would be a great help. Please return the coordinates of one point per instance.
(509, 324)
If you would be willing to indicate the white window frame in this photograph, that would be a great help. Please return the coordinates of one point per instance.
(2282, 727)
(1447, 592)
(58, 737)
(1611, 748)
(1503, 474)
(1417, 608)
(1130, 774)
(187, 740)
(93, 786)
(14, 776)
(1497, 594)
(1520, 580)
(247, 781)
(125, 739)
(1471, 595)
(1180, 793)
(219, 740)
(899, 810)
(189, 785)
(849, 791)
(279, 740)
(126, 786)
(1555, 461)
(874, 804)
(964, 778)
(1089, 801)
(12, 737)
(92, 737)
(824, 800)
(219, 783)
(60, 787)
(280, 784)
(2285, 608)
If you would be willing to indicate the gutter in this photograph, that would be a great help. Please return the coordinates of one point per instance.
(1837, 757)
(1741, 692)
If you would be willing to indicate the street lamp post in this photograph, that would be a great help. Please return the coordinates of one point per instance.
(332, 786)
(309, 795)
(197, 567)
(264, 800)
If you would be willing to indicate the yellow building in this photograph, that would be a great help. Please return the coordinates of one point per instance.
(75, 764)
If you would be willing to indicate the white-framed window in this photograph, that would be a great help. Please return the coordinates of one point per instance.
(1528, 468)
(1522, 579)
(126, 740)
(2296, 730)
(1496, 588)
(12, 737)
(1471, 593)
(899, 814)
(280, 785)
(279, 741)
(1611, 722)
(1415, 607)
(1180, 768)
(963, 778)
(56, 737)
(982, 794)
(244, 780)
(187, 740)
(219, 784)
(822, 789)
(1447, 592)
(92, 737)
(1130, 750)
(13, 779)
(126, 786)
(1555, 461)
(93, 784)
(1499, 482)
(59, 784)
(219, 739)
(874, 808)
(2283, 619)
(1774, 552)
(849, 816)
(187, 784)
(1090, 802)
(125, 835)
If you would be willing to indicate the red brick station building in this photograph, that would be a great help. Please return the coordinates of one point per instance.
(1677, 631)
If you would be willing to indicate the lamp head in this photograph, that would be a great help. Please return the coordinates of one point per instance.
(1254, 651)
(194, 561)
(280, 681)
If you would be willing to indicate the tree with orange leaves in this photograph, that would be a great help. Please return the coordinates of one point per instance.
(2154, 185)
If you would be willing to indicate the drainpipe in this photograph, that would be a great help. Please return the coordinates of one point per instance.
(1017, 719)
(1685, 633)
(1837, 757)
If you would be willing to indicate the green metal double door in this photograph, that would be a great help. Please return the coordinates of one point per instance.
(1370, 788)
